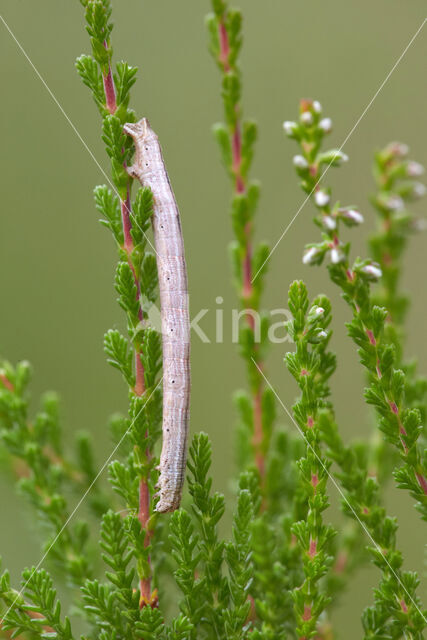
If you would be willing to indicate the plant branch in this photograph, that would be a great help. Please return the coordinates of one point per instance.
(399, 422)
(236, 139)
(112, 98)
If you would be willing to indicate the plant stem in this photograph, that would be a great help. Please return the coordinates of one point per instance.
(311, 366)
(247, 292)
(146, 597)
(398, 421)
(109, 88)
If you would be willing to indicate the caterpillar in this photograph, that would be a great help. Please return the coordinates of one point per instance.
(149, 168)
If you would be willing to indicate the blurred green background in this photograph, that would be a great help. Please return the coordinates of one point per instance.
(57, 263)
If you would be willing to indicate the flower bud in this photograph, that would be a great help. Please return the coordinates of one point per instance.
(373, 271)
(306, 118)
(333, 157)
(351, 217)
(300, 162)
(419, 190)
(310, 255)
(326, 125)
(395, 203)
(315, 314)
(337, 255)
(317, 107)
(414, 169)
(399, 149)
(329, 222)
(419, 224)
(317, 336)
(321, 198)
(290, 128)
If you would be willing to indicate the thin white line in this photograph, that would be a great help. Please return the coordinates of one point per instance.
(346, 139)
(82, 499)
(340, 491)
(66, 116)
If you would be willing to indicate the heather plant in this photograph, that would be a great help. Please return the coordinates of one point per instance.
(131, 572)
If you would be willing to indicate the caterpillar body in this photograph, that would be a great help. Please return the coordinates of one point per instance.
(149, 168)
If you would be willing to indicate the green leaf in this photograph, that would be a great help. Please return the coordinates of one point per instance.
(107, 203)
(128, 292)
(88, 70)
(119, 355)
(149, 278)
(124, 78)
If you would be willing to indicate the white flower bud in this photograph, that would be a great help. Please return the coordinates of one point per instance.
(318, 335)
(317, 107)
(306, 118)
(414, 169)
(420, 224)
(310, 255)
(329, 222)
(314, 314)
(326, 125)
(399, 149)
(336, 255)
(332, 157)
(300, 162)
(395, 203)
(373, 271)
(419, 189)
(290, 127)
(352, 216)
(321, 198)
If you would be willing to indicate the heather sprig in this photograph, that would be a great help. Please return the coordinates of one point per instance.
(236, 138)
(400, 423)
(138, 355)
(214, 576)
(276, 565)
(37, 611)
(311, 365)
(397, 186)
(397, 609)
(45, 475)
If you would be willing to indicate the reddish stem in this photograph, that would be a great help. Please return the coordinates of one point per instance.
(371, 337)
(146, 596)
(247, 279)
(314, 482)
(258, 433)
(110, 94)
(341, 563)
(247, 288)
(312, 549)
(5, 382)
(237, 158)
(422, 482)
(143, 517)
(403, 606)
(224, 46)
(126, 223)
(307, 613)
(109, 88)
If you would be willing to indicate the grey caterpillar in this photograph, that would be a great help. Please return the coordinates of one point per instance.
(150, 170)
